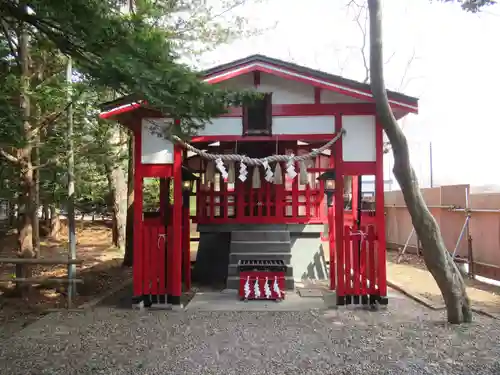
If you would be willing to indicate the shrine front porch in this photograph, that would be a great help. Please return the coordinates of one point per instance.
(221, 246)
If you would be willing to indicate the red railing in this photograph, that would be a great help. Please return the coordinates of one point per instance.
(219, 203)
(153, 257)
(362, 261)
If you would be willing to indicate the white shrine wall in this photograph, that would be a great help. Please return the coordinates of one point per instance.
(283, 92)
(155, 149)
(358, 144)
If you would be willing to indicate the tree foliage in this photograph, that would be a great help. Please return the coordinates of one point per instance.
(473, 6)
(116, 49)
(131, 54)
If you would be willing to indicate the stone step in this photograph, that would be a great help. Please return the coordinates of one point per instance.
(233, 282)
(260, 246)
(235, 257)
(261, 235)
(232, 270)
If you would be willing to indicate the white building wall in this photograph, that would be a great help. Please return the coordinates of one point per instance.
(359, 142)
(223, 126)
(155, 149)
(303, 125)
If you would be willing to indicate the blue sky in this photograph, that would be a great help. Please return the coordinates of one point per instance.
(455, 71)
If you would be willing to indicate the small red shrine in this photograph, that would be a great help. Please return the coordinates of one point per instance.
(269, 210)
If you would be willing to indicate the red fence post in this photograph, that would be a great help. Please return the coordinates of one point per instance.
(331, 242)
(355, 248)
(347, 260)
(161, 243)
(363, 261)
(371, 261)
(170, 248)
(380, 212)
(146, 248)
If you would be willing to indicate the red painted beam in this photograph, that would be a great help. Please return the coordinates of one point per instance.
(256, 78)
(317, 109)
(317, 95)
(119, 110)
(274, 138)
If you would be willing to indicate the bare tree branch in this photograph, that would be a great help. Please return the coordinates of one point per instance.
(9, 156)
(6, 33)
(53, 117)
(407, 68)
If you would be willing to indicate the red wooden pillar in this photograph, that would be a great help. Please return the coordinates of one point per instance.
(331, 224)
(176, 264)
(170, 242)
(331, 243)
(163, 198)
(186, 242)
(138, 273)
(380, 211)
(339, 213)
(355, 200)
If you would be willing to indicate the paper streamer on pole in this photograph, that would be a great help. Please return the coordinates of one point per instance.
(256, 288)
(256, 178)
(278, 174)
(231, 175)
(247, 288)
(243, 172)
(210, 173)
(276, 287)
(267, 290)
(303, 177)
(290, 168)
(222, 169)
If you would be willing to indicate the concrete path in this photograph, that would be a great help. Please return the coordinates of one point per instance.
(228, 301)
(404, 339)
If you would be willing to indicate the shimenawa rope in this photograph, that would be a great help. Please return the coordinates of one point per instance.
(259, 161)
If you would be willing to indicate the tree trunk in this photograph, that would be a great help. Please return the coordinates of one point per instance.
(55, 222)
(36, 197)
(115, 174)
(437, 258)
(128, 258)
(13, 214)
(46, 214)
(27, 187)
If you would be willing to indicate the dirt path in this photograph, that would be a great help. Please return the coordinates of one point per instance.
(412, 276)
(101, 270)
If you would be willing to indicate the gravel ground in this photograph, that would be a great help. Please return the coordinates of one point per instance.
(404, 339)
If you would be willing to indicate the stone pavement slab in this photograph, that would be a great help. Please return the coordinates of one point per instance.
(228, 300)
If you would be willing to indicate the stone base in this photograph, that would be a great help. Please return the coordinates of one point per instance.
(330, 299)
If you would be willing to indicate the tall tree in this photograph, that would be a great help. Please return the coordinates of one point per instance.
(127, 55)
(128, 258)
(134, 53)
(436, 256)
